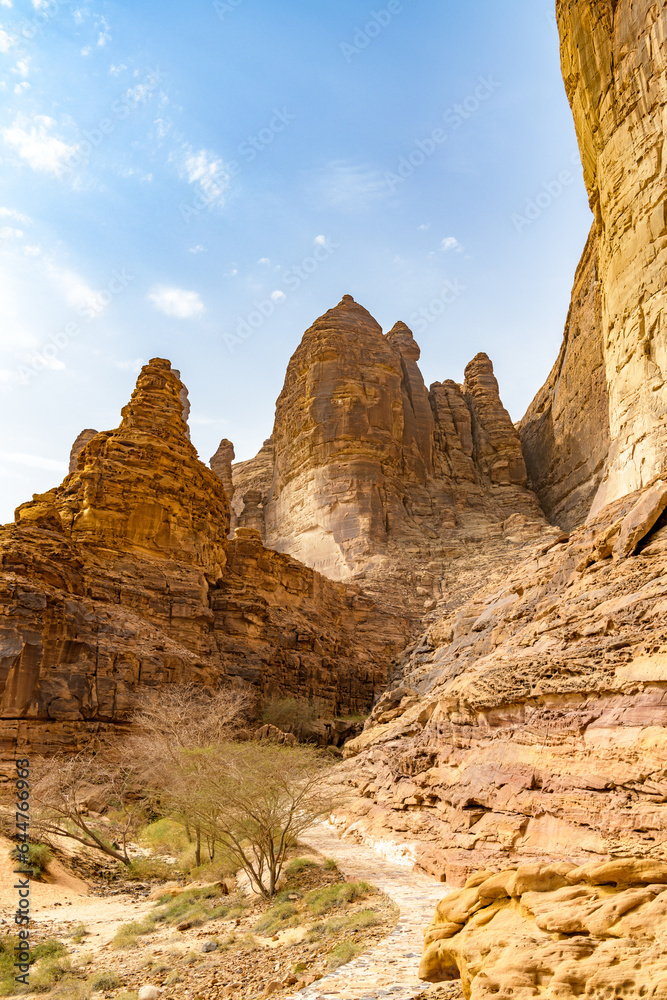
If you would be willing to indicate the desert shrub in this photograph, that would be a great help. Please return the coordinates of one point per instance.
(70, 987)
(105, 981)
(320, 901)
(354, 922)
(277, 918)
(35, 859)
(127, 935)
(165, 835)
(300, 864)
(342, 953)
(142, 869)
(290, 715)
(79, 932)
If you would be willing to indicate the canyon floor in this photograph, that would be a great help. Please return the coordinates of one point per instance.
(287, 963)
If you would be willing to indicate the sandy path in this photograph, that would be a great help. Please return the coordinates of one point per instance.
(389, 970)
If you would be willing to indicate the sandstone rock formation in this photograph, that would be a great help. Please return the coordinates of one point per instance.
(123, 576)
(554, 931)
(614, 56)
(78, 446)
(532, 721)
(369, 476)
(221, 464)
(565, 433)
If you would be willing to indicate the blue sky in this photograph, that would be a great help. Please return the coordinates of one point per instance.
(200, 181)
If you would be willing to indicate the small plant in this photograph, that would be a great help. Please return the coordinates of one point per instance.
(330, 865)
(34, 861)
(70, 988)
(128, 935)
(277, 918)
(342, 953)
(320, 901)
(300, 864)
(79, 932)
(355, 922)
(105, 981)
(142, 869)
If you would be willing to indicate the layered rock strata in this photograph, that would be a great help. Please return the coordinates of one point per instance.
(532, 721)
(123, 577)
(370, 476)
(554, 931)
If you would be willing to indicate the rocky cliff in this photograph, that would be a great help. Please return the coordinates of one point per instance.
(614, 57)
(565, 433)
(124, 576)
(371, 476)
(532, 722)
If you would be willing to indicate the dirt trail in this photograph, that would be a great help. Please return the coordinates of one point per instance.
(389, 970)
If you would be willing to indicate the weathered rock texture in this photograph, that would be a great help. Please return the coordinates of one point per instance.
(78, 446)
(554, 931)
(532, 721)
(369, 475)
(123, 576)
(614, 59)
(565, 432)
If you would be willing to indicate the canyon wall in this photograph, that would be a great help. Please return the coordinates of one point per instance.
(124, 577)
(531, 723)
(565, 433)
(614, 60)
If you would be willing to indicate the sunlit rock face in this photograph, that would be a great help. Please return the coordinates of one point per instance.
(124, 578)
(370, 475)
(614, 59)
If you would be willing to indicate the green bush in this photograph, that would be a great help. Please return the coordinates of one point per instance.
(35, 859)
(320, 901)
(105, 981)
(277, 918)
(299, 865)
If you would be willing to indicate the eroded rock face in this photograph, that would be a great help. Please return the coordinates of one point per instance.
(78, 446)
(554, 931)
(124, 576)
(614, 57)
(531, 722)
(565, 433)
(370, 476)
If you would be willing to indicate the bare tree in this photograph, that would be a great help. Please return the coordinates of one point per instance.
(175, 719)
(64, 788)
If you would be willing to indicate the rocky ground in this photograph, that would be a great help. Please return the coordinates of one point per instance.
(202, 942)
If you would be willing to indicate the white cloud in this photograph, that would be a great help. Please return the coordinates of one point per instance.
(10, 213)
(33, 461)
(6, 3)
(20, 88)
(6, 41)
(320, 241)
(73, 288)
(278, 296)
(263, 260)
(423, 228)
(351, 186)
(176, 302)
(86, 50)
(21, 68)
(451, 243)
(117, 70)
(8, 233)
(34, 143)
(205, 169)
(40, 4)
(198, 249)
(105, 34)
